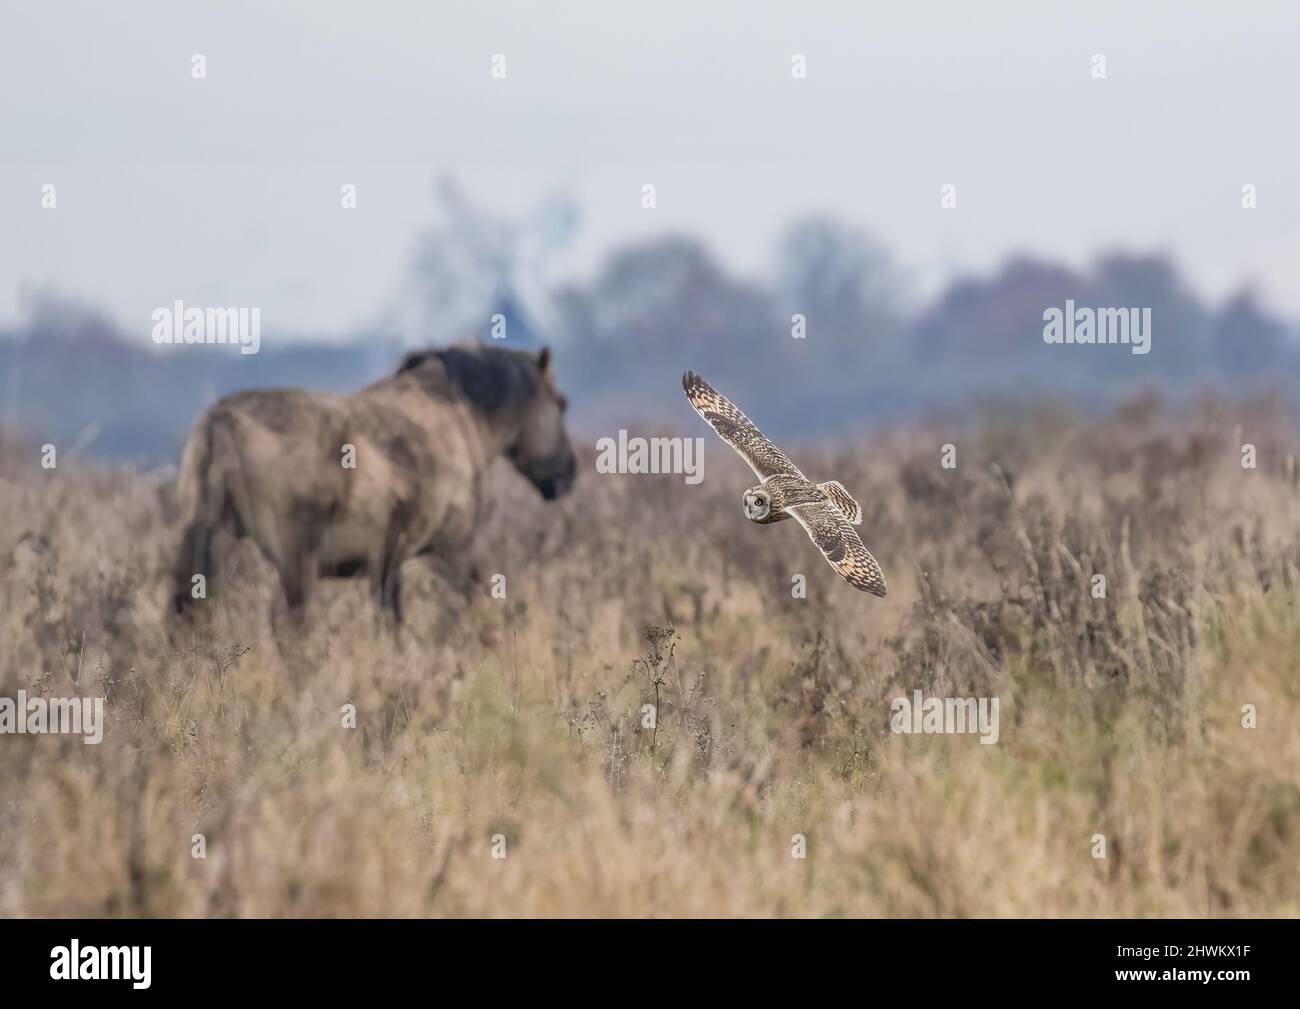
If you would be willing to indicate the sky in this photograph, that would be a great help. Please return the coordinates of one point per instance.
(225, 190)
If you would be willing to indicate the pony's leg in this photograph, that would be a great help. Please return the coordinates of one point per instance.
(386, 585)
(298, 583)
(194, 558)
(298, 561)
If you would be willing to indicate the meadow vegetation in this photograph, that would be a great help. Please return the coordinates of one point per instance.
(523, 717)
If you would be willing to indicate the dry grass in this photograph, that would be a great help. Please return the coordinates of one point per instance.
(1120, 716)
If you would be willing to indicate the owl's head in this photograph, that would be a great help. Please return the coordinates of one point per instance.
(757, 504)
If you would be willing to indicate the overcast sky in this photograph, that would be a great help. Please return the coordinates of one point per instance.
(225, 191)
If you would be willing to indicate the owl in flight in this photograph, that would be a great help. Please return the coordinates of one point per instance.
(827, 511)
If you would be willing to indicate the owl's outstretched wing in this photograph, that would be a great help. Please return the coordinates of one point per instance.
(737, 430)
(839, 542)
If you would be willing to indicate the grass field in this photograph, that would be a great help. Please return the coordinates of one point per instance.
(514, 727)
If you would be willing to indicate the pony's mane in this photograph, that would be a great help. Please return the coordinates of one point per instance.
(492, 378)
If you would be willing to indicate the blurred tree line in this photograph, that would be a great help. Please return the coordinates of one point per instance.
(869, 353)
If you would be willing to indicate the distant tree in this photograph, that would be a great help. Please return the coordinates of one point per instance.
(1180, 322)
(474, 265)
(846, 286)
(656, 309)
(1248, 342)
(987, 333)
(839, 269)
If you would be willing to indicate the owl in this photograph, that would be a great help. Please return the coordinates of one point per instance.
(826, 511)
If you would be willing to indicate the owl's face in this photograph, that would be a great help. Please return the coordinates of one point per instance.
(757, 504)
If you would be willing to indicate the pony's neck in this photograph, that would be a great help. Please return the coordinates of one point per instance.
(494, 430)
(499, 429)
(503, 428)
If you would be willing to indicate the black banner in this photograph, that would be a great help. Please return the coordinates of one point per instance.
(333, 958)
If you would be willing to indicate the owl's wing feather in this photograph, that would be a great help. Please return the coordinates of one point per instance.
(843, 500)
(839, 542)
(737, 430)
